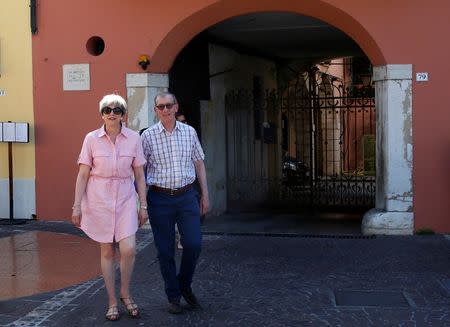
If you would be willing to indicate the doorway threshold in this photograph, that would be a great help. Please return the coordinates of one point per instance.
(282, 224)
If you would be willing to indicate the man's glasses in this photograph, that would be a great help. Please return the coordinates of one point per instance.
(164, 105)
(116, 111)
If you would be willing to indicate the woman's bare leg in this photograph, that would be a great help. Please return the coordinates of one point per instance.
(107, 262)
(127, 248)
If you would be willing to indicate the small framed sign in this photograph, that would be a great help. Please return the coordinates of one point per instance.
(76, 77)
(22, 134)
(9, 132)
(422, 77)
(14, 132)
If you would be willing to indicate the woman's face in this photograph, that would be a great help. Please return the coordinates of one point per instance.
(112, 114)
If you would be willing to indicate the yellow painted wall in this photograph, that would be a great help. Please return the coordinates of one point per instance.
(16, 81)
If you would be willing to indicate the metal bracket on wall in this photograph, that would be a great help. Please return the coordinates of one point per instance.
(33, 16)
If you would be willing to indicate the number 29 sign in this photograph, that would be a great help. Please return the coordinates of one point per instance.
(422, 77)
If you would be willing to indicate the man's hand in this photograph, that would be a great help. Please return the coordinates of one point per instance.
(142, 216)
(204, 204)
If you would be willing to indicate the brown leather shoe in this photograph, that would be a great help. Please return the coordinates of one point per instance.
(191, 299)
(175, 307)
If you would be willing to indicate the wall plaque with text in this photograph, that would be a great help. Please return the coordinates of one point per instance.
(76, 77)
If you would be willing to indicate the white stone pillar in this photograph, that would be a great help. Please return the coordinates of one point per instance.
(393, 212)
(141, 90)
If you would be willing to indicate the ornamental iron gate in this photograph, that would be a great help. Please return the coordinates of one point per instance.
(309, 144)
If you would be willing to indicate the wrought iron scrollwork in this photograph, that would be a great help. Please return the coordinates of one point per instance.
(324, 152)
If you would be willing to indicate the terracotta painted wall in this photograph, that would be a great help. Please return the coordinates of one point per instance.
(394, 32)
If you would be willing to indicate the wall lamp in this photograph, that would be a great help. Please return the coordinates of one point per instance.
(144, 61)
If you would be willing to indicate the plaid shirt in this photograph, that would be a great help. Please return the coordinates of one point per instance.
(171, 156)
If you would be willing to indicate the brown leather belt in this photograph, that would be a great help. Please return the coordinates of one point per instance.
(170, 191)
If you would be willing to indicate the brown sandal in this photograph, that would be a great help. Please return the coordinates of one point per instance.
(131, 306)
(113, 313)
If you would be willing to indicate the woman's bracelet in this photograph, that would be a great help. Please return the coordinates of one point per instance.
(143, 207)
(76, 206)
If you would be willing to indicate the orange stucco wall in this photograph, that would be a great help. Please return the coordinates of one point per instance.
(390, 32)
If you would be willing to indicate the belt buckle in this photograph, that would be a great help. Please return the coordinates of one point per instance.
(172, 192)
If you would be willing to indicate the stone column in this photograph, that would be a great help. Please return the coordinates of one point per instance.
(393, 212)
(141, 90)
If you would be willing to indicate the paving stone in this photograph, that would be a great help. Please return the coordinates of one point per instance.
(272, 281)
(446, 283)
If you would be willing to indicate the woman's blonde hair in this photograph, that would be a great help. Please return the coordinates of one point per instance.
(113, 99)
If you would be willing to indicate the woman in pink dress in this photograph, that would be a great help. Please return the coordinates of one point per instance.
(105, 205)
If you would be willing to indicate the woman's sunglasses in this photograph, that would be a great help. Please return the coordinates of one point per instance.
(115, 111)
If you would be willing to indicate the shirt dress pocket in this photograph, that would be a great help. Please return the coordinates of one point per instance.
(102, 162)
(126, 158)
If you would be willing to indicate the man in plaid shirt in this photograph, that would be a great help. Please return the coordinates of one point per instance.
(174, 159)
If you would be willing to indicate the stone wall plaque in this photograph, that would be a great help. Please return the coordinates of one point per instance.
(76, 77)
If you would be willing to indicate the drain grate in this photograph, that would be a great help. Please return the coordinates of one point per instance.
(371, 299)
(343, 236)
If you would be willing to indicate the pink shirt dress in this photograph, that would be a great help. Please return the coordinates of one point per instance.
(109, 207)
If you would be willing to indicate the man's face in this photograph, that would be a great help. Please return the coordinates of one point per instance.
(165, 108)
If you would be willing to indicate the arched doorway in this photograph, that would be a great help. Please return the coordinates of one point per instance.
(184, 31)
(191, 26)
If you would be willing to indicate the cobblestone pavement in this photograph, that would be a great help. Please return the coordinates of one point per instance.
(245, 280)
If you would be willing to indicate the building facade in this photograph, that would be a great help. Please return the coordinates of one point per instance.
(83, 51)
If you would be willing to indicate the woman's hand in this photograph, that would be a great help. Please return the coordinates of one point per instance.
(76, 216)
(142, 216)
(80, 188)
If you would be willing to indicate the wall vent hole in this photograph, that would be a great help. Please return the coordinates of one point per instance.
(95, 45)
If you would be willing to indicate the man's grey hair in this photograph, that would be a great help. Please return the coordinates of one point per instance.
(165, 94)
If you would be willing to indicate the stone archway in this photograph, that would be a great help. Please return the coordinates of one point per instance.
(393, 213)
(192, 25)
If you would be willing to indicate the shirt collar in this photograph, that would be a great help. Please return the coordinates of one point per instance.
(161, 128)
(178, 125)
(124, 131)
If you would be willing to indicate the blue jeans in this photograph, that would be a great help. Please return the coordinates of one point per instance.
(165, 211)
